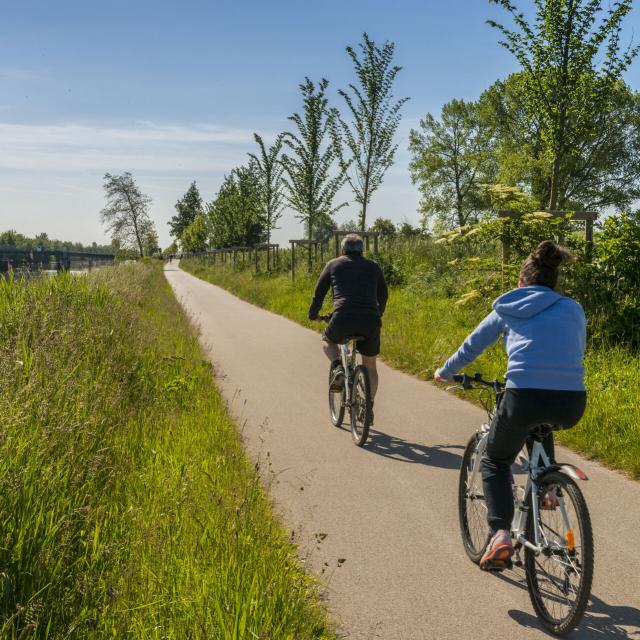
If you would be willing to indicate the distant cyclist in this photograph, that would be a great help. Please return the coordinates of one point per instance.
(544, 335)
(359, 300)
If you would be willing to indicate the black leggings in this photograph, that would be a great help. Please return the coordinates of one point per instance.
(519, 411)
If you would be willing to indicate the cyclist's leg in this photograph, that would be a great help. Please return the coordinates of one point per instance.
(508, 434)
(369, 363)
(330, 348)
(369, 349)
(332, 335)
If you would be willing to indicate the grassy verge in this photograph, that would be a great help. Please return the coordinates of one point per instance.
(420, 331)
(128, 507)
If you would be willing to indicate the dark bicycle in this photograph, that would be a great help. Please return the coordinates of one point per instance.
(354, 394)
(557, 542)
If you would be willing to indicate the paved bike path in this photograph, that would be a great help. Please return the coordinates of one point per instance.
(380, 523)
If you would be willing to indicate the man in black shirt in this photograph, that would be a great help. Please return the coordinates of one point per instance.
(359, 299)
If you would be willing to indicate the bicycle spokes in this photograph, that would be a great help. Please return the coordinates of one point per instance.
(560, 575)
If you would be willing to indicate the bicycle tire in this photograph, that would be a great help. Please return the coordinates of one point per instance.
(567, 623)
(336, 398)
(360, 408)
(475, 534)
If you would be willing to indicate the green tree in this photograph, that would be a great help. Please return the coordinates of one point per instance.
(10, 238)
(572, 65)
(195, 236)
(126, 214)
(451, 159)
(269, 170)
(310, 189)
(384, 227)
(375, 117)
(188, 207)
(234, 217)
(151, 241)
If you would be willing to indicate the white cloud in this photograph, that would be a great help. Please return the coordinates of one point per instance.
(51, 174)
(143, 146)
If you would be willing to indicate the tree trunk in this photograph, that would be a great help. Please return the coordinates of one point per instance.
(268, 248)
(309, 265)
(555, 183)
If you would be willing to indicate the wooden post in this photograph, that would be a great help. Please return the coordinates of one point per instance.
(588, 232)
(375, 245)
(255, 251)
(293, 261)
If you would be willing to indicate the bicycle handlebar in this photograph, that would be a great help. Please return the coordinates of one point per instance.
(471, 382)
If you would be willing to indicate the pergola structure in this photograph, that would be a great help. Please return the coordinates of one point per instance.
(311, 245)
(365, 235)
(273, 253)
(588, 217)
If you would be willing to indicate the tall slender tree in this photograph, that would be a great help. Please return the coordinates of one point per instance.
(126, 213)
(269, 172)
(375, 116)
(572, 61)
(188, 208)
(309, 186)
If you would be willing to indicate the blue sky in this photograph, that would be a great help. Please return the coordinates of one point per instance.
(172, 92)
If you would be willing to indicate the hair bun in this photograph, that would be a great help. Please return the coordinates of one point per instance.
(550, 255)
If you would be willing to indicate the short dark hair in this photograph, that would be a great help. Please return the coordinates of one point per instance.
(543, 264)
(352, 243)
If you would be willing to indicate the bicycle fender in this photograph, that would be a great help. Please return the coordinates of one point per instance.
(571, 470)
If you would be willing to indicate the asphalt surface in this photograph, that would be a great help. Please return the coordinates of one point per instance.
(380, 524)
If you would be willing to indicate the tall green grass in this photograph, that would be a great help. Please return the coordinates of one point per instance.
(422, 327)
(127, 506)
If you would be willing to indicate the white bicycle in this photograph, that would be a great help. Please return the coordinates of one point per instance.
(557, 542)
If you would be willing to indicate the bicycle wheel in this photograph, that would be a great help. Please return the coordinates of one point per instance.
(360, 405)
(472, 508)
(559, 578)
(336, 402)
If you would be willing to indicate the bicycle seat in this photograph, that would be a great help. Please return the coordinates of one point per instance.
(541, 431)
(356, 338)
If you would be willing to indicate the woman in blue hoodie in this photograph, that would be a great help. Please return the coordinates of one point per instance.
(544, 334)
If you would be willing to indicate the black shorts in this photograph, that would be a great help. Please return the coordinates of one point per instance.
(340, 328)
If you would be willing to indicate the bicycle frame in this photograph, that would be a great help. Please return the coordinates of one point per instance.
(535, 465)
(348, 357)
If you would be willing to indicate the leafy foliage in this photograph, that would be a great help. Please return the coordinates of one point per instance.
(568, 96)
(12, 238)
(234, 216)
(188, 207)
(269, 170)
(195, 236)
(452, 158)
(375, 118)
(310, 189)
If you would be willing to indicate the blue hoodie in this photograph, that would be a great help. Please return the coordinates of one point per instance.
(544, 335)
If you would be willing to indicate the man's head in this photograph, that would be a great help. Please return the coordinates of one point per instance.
(352, 243)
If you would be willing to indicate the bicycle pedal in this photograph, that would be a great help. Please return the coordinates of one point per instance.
(496, 566)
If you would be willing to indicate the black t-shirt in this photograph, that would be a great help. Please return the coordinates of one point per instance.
(358, 287)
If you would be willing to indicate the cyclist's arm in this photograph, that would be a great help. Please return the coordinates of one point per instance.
(322, 286)
(483, 336)
(383, 292)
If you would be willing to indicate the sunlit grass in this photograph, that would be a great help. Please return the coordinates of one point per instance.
(421, 330)
(128, 507)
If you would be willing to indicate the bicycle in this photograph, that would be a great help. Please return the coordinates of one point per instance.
(557, 542)
(355, 393)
